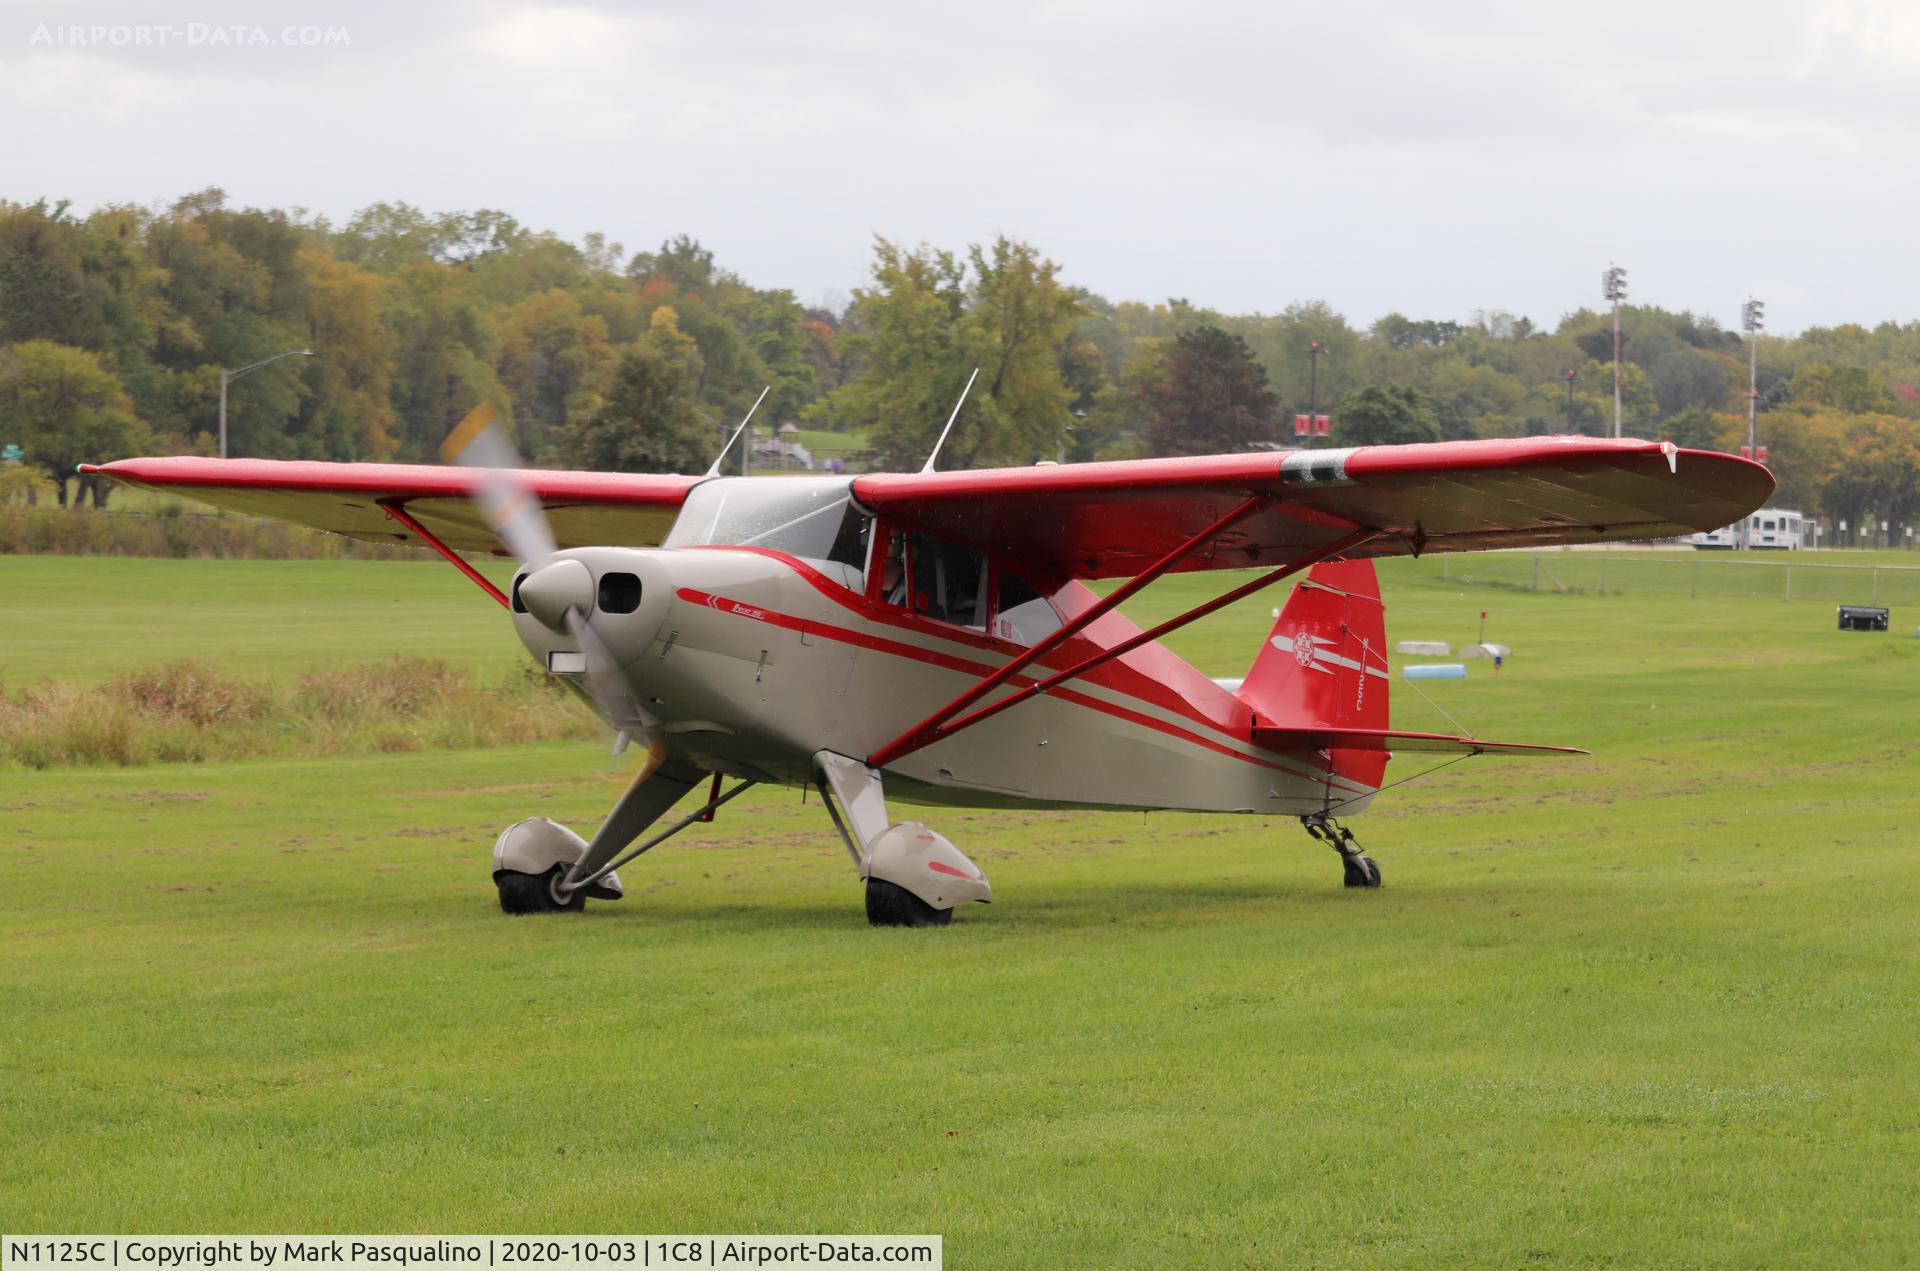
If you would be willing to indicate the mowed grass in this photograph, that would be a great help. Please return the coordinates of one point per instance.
(88, 618)
(1656, 1007)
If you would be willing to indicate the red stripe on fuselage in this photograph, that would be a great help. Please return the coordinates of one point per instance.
(1118, 676)
(916, 653)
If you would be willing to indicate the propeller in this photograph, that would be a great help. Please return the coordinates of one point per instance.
(558, 593)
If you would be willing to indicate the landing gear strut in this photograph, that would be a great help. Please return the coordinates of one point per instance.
(913, 876)
(1361, 871)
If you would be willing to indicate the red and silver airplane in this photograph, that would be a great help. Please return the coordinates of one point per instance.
(930, 638)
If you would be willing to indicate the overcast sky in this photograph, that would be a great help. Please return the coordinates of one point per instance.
(1429, 158)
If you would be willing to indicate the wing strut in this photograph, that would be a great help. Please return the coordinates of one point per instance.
(397, 510)
(937, 725)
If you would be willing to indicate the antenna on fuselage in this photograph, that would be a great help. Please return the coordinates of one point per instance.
(714, 471)
(928, 465)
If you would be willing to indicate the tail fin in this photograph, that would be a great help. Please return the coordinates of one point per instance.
(1325, 663)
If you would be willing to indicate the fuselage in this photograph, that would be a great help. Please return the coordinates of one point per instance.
(753, 656)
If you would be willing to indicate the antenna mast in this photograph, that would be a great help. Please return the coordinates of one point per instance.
(714, 471)
(928, 465)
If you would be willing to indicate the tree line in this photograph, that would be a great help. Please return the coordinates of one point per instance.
(116, 326)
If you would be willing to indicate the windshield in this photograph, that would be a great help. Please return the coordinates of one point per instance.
(809, 517)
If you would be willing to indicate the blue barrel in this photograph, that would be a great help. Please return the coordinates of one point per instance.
(1436, 671)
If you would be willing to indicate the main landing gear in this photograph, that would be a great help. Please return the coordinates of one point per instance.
(1361, 871)
(913, 876)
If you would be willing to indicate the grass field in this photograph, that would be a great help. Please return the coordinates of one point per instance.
(1657, 1007)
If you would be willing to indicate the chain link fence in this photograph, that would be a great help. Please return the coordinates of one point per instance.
(1788, 577)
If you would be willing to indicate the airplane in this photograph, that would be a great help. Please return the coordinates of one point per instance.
(930, 638)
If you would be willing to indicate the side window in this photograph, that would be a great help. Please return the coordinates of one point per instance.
(1024, 616)
(893, 574)
(949, 583)
(849, 549)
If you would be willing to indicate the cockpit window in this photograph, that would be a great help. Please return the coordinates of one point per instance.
(1023, 615)
(810, 518)
(949, 582)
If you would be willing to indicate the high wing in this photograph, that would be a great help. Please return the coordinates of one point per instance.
(586, 509)
(1113, 520)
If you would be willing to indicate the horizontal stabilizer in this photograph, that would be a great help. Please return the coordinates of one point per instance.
(1323, 738)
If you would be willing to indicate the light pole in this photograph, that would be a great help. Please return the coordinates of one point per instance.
(228, 377)
(1614, 282)
(1573, 374)
(1752, 318)
(1313, 382)
(1751, 315)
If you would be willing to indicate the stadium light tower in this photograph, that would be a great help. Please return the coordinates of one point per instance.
(1614, 282)
(1752, 315)
(1752, 319)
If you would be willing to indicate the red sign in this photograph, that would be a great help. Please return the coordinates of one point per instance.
(1321, 425)
(1758, 455)
(1302, 425)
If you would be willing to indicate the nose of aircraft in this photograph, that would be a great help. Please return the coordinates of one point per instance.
(549, 591)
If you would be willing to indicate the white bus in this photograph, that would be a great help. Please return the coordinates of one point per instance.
(1769, 529)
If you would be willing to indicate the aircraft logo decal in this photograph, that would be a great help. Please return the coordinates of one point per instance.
(1315, 653)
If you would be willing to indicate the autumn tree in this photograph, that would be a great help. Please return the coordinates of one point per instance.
(648, 423)
(1880, 478)
(348, 415)
(555, 361)
(929, 319)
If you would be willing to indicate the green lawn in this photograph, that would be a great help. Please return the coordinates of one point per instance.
(1652, 1008)
(86, 618)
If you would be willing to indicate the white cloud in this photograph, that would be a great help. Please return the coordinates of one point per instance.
(1430, 158)
(69, 84)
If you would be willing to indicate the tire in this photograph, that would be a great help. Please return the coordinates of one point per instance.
(890, 905)
(534, 893)
(1362, 871)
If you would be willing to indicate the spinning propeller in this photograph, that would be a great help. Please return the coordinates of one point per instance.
(558, 593)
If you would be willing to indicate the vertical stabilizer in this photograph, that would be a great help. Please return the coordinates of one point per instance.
(1325, 662)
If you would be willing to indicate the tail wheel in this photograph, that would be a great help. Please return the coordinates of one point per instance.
(537, 893)
(891, 905)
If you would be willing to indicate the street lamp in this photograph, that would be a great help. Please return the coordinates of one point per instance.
(228, 377)
(1573, 373)
(1614, 283)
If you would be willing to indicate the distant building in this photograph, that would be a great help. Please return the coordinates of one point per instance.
(781, 450)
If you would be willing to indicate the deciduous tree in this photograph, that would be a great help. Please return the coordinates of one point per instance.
(649, 422)
(68, 409)
(1376, 416)
(1206, 394)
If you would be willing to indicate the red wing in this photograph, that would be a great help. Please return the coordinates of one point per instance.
(585, 508)
(1110, 520)
(1320, 738)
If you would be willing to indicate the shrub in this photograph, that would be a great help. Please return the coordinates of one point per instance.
(184, 712)
(173, 533)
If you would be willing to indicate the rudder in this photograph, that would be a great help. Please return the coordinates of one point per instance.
(1325, 662)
